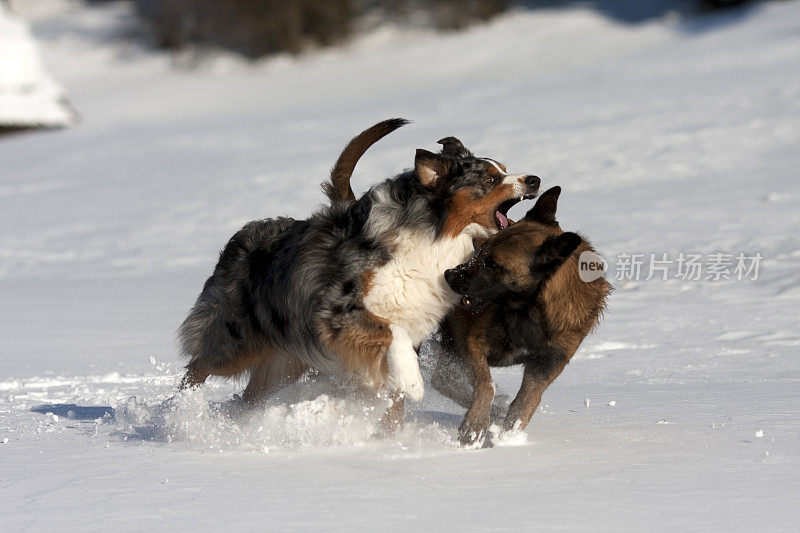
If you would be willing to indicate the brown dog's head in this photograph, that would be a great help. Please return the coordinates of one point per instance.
(514, 263)
(471, 190)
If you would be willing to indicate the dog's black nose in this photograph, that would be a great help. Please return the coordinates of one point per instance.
(533, 181)
(456, 279)
(450, 277)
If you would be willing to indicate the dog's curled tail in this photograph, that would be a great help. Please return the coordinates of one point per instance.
(338, 189)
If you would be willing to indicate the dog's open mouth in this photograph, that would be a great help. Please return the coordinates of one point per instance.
(501, 212)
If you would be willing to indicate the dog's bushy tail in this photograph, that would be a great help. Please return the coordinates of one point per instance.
(338, 189)
(204, 337)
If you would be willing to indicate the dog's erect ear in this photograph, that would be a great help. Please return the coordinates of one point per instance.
(554, 251)
(544, 210)
(430, 167)
(454, 147)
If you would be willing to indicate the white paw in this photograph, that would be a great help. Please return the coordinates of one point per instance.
(404, 373)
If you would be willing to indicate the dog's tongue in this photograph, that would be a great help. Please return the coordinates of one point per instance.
(501, 219)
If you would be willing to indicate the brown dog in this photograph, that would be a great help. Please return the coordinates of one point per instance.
(523, 303)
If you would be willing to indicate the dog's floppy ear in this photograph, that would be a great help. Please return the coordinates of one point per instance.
(554, 251)
(454, 147)
(545, 208)
(430, 167)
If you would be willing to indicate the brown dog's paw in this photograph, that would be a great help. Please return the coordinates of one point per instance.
(472, 434)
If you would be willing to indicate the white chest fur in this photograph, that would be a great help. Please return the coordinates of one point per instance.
(410, 290)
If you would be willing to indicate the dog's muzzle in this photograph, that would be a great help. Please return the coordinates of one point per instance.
(457, 279)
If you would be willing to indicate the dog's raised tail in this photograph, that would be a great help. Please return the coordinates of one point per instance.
(338, 189)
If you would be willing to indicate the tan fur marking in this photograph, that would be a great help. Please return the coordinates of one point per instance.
(194, 376)
(240, 364)
(361, 347)
(362, 343)
(465, 210)
(271, 375)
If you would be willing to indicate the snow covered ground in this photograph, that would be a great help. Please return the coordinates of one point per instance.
(676, 136)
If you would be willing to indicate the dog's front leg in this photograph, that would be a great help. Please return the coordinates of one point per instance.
(476, 422)
(402, 362)
(394, 417)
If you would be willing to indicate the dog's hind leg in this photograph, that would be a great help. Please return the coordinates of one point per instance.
(449, 375)
(534, 381)
(195, 375)
(271, 375)
(198, 370)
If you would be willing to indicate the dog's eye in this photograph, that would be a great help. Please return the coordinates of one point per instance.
(491, 178)
(490, 264)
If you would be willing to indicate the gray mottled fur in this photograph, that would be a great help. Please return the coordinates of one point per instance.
(276, 278)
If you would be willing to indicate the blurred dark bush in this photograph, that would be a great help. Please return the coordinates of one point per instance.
(251, 27)
(441, 14)
(255, 28)
(721, 3)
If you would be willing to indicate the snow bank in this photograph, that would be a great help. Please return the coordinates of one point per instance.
(28, 96)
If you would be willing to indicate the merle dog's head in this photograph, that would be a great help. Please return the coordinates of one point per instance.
(514, 263)
(471, 190)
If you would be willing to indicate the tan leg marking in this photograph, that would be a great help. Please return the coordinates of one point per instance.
(194, 377)
(270, 376)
